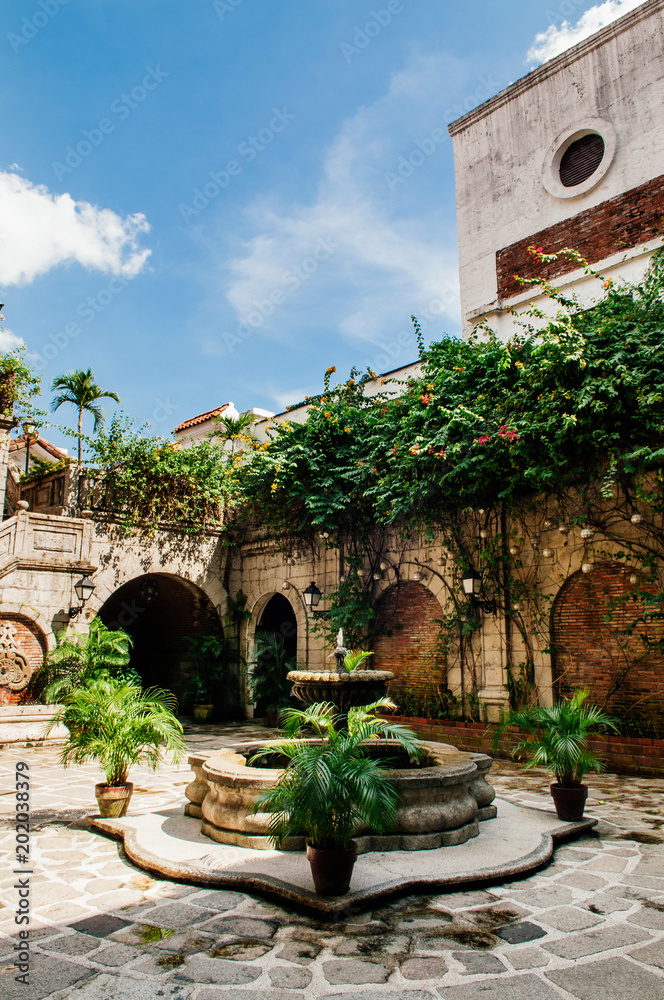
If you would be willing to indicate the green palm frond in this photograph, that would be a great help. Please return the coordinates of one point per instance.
(331, 786)
(117, 725)
(559, 735)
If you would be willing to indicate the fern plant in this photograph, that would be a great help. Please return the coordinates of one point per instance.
(117, 724)
(558, 736)
(331, 786)
(78, 658)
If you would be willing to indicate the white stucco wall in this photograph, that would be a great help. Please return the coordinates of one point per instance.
(502, 148)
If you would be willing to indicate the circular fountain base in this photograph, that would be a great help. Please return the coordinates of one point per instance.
(443, 799)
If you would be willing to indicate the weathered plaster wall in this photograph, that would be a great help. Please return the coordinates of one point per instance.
(504, 147)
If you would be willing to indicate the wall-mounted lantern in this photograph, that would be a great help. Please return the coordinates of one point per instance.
(31, 435)
(84, 590)
(312, 596)
(473, 588)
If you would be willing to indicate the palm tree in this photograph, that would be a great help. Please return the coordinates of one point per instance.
(79, 387)
(234, 429)
(78, 658)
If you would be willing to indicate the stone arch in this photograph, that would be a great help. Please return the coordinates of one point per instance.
(589, 651)
(23, 647)
(258, 610)
(160, 611)
(409, 612)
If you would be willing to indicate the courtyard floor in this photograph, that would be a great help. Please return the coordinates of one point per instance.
(590, 926)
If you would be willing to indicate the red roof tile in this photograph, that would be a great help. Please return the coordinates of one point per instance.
(200, 419)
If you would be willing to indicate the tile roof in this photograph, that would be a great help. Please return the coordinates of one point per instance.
(17, 444)
(200, 419)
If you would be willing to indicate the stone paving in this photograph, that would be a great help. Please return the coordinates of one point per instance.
(588, 927)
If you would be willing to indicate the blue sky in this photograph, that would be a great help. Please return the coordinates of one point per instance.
(212, 200)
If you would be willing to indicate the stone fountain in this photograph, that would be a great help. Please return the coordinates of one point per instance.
(444, 796)
(343, 688)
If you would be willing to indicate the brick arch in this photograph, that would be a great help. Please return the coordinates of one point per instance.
(409, 612)
(23, 644)
(589, 652)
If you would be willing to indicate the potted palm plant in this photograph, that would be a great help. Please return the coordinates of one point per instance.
(210, 656)
(117, 724)
(332, 784)
(558, 738)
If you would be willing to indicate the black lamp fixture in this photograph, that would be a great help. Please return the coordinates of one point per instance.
(31, 434)
(84, 590)
(312, 596)
(473, 588)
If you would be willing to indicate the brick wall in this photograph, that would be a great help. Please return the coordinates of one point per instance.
(31, 644)
(589, 653)
(617, 224)
(409, 612)
(621, 754)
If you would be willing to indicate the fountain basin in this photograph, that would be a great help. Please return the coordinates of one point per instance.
(345, 690)
(442, 801)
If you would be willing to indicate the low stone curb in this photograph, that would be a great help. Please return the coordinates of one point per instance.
(340, 907)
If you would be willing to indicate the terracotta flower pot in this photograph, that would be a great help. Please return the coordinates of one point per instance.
(569, 802)
(113, 800)
(203, 713)
(331, 870)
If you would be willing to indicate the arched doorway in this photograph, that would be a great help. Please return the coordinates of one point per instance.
(597, 636)
(410, 614)
(275, 652)
(160, 613)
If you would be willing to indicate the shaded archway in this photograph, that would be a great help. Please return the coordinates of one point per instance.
(275, 642)
(602, 637)
(160, 612)
(410, 614)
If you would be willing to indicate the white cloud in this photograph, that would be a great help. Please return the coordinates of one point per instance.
(40, 230)
(386, 261)
(9, 340)
(555, 39)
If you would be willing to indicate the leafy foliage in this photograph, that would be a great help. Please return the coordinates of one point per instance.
(330, 787)
(355, 657)
(118, 725)
(565, 419)
(78, 659)
(19, 383)
(559, 736)
(149, 482)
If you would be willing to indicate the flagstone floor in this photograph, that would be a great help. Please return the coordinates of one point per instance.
(588, 927)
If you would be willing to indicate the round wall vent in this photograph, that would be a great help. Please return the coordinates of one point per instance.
(581, 159)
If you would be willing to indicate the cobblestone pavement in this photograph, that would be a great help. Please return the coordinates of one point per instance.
(588, 927)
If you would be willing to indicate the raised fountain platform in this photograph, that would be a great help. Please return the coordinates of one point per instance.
(443, 798)
(170, 845)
